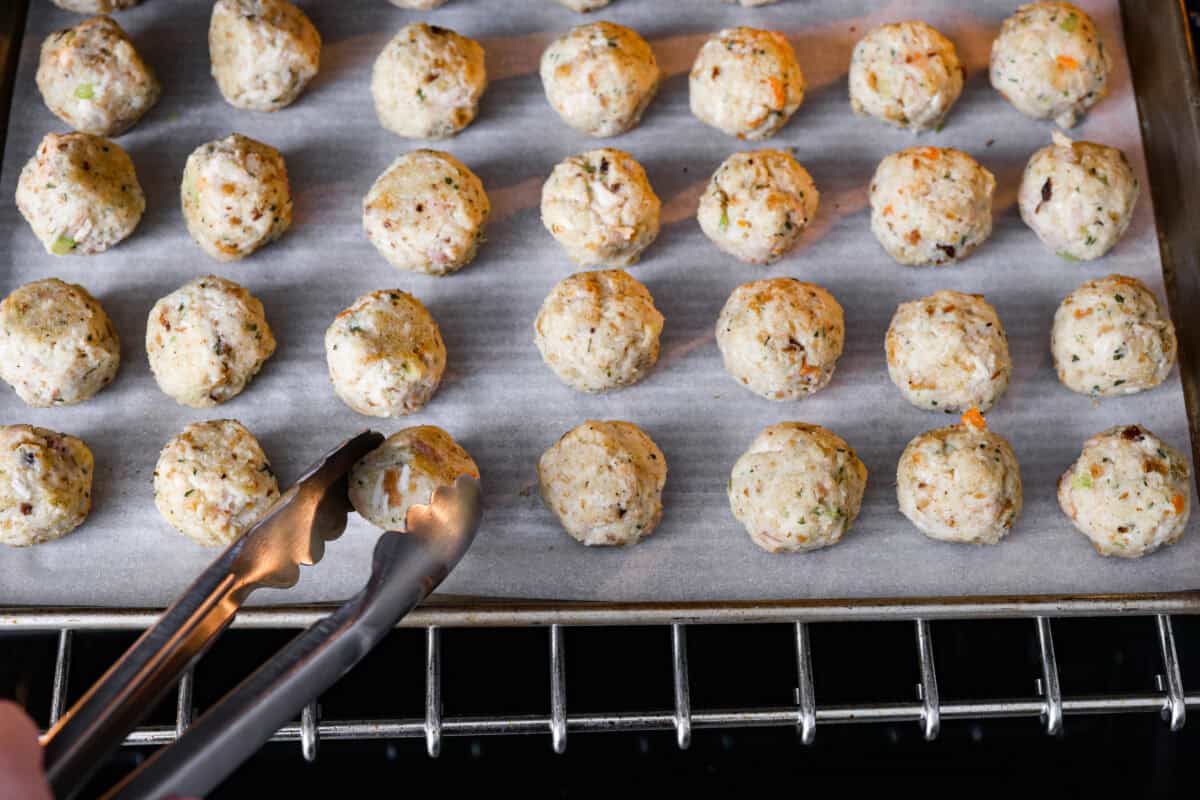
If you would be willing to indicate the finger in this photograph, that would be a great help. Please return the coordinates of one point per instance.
(21, 775)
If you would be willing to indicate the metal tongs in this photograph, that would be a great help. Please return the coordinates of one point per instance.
(406, 567)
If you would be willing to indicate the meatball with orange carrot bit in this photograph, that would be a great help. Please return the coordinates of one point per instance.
(961, 483)
(781, 338)
(948, 352)
(600, 78)
(426, 213)
(757, 205)
(1111, 338)
(1050, 62)
(798, 487)
(236, 197)
(746, 82)
(931, 206)
(906, 74)
(1129, 492)
(405, 471)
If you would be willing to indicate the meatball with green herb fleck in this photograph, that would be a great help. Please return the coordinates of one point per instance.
(206, 340)
(780, 337)
(906, 74)
(599, 78)
(385, 354)
(600, 207)
(757, 205)
(798, 487)
(1078, 197)
(931, 205)
(236, 197)
(92, 78)
(263, 52)
(948, 352)
(1050, 62)
(746, 82)
(427, 82)
(1111, 337)
(45, 484)
(213, 482)
(427, 213)
(1129, 492)
(599, 330)
(961, 483)
(604, 481)
(80, 194)
(57, 344)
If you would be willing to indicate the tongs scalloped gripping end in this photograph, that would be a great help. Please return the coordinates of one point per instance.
(407, 566)
(449, 520)
(309, 514)
(292, 533)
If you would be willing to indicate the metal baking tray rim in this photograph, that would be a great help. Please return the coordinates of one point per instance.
(1157, 45)
(462, 612)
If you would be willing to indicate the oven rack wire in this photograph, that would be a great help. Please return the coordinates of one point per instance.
(1168, 94)
(928, 708)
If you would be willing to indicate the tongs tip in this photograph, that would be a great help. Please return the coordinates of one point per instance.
(452, 515)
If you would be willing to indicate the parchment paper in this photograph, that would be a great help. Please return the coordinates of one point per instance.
(498, 399)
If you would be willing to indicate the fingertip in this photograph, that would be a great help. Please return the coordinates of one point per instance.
(20, 755)
(15, 724)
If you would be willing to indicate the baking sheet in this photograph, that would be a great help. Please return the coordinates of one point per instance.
(499, 400)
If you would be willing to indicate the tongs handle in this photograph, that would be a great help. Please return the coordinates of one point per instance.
(130, 689)
(292, 533)
(406, 568)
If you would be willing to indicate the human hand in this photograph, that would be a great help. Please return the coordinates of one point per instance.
(21, 774)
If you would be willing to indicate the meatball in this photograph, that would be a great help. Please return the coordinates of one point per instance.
(961, 483)
(206, 340)
(404, 471)
(426, 213)
(599, 330)
(95, 6)
(1110, 337)
(57, 346)
(906, 74)
(80, 194)
(264, 52)
(604, 482)
(1050, 62)
(600, 207)
(1129, 492)
(418, 5)
(236, 196)
(600, 77)
(1078, 197)
(213, 482)
(584, 6)
(92, 78)
(427, 82)
(948, 352)
(799, 487)
(385, 354)
(931, 205)
(781, 337)
(757, 204)
(45, 484)
(746, 82)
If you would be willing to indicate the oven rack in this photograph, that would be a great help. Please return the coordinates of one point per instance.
(928, 708)
(1168, 95)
